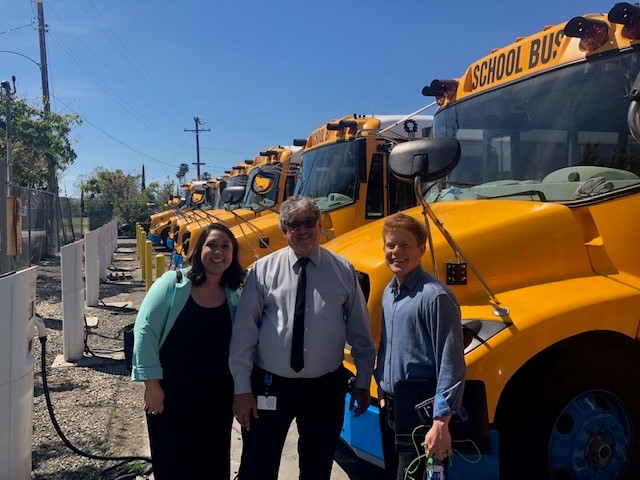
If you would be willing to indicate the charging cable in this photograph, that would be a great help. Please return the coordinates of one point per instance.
(415, 463)
(42, 335)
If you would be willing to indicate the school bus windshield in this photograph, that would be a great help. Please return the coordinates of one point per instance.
(329, 175)
(256, 202)
(543, 137)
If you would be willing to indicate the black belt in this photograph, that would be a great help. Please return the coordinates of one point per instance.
(261, 371)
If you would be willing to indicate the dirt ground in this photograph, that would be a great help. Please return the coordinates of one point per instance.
(95, 427)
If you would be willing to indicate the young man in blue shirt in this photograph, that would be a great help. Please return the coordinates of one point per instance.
(421, 339)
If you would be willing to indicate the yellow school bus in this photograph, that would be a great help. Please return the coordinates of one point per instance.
(237, 175)
(535, 230)
(344, 169)
(194, 194)
(279, 163)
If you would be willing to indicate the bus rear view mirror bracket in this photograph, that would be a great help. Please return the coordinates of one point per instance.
(427, 160)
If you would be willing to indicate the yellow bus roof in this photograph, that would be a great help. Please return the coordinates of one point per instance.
(527, 56)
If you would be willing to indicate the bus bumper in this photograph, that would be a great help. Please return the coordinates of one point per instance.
(155, 239)
(176, 259)
(362, 434)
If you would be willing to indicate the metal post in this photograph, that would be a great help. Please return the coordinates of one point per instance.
(148, 251)
(4, 184)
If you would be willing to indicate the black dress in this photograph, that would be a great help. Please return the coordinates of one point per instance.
(192, 437)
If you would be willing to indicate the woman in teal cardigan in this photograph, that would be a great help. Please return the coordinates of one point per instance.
(181, 349)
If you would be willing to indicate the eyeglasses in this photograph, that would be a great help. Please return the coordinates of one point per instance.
(308, 223)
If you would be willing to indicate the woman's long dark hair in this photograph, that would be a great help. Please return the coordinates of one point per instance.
(232, 277)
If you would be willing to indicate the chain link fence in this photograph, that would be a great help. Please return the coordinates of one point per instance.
(47, 223)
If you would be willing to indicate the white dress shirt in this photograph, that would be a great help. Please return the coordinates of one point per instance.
(335, 313)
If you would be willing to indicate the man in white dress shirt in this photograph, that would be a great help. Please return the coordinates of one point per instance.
(269, 391)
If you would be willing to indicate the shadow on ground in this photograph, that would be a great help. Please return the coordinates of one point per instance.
(354, 467)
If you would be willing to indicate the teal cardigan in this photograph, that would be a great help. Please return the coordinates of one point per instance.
(157, 314)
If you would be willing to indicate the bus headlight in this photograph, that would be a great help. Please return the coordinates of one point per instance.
(477, 332)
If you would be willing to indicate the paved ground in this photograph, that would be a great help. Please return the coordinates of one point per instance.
(346, 464)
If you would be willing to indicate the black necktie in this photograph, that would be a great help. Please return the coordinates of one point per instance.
(297, 346)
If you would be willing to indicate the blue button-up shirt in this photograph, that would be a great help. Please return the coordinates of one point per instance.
(422, 339)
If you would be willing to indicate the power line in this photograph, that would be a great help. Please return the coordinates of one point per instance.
(16, 28)
(149, 78)
(112, 137)
(105, 87)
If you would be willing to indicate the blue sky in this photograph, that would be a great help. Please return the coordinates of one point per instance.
(256, 72)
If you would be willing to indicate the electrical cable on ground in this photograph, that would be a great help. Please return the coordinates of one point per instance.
(124, 460)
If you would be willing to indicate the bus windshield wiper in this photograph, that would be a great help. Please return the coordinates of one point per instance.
(541, 196)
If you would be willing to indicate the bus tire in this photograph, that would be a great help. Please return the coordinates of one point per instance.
(164, 237)
(573, 416)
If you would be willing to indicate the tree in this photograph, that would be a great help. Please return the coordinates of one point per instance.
(117, 190)
(182, 172)
(121, 191)
(34, 139)
(164, 192)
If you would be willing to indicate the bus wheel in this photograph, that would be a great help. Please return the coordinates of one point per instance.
(185, 244)
(591, 438)
(572, 416)
(164, 237)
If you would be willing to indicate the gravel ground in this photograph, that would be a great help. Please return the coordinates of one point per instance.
(94, 402)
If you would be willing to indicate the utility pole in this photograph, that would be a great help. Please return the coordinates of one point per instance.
(197, 131)
(53, 179)
(43, 57)
(5, 179)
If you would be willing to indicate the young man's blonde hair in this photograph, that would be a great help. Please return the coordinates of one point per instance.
(402, 220)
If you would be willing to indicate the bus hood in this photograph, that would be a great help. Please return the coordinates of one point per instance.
(512, 244)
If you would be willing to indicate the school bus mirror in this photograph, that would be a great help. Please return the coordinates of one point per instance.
(233, 195)
(197, 198)
(429, 158)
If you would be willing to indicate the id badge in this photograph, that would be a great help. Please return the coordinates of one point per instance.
(267, 403)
